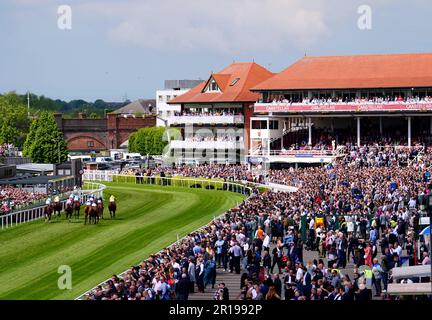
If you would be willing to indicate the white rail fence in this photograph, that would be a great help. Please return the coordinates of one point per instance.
(98, 175)
(231, 186)
(31, 214)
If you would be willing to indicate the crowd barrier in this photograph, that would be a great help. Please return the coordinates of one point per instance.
(184, 182)
(26, 215)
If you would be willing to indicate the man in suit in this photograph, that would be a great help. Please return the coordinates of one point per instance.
(182, 288)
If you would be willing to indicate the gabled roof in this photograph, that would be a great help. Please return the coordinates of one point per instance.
(222, 80)
(357, 71)
(248, 73)
(138, 106)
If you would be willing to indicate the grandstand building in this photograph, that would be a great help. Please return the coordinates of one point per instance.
(319, 103)
(214, 116)
(305, 113)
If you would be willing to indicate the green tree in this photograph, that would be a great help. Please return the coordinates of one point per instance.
(9, 133)
(48, 145)
(14, 120)
(30, 138)
(147, 141)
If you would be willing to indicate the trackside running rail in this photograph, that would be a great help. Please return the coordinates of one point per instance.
(27, 215)
(180, 182)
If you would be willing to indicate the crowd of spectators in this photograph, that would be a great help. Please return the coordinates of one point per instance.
(7, 150)
(222, 112)
(222, 171)
(351, 100)
(362, 210)
(201, 138)
(12, 198)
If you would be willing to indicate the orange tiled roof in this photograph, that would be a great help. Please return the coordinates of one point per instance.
(358, 71)
(249, 74)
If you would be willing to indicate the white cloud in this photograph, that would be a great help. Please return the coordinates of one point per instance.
(224, 26)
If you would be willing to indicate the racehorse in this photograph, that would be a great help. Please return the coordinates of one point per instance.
(48, 210)
(57, 207)
(87, 212)
(100, 209)
(76, 208)
(112, 207)
(69, 210)
(94, 214)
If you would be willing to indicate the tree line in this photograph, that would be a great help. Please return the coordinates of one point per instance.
(39, 103)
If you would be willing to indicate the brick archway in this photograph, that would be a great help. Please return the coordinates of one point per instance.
(80, 142)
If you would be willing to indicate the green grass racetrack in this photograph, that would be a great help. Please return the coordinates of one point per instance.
(148, 219)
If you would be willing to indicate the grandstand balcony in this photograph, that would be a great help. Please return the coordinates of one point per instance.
(218, 145)
(205, 119)
(355, 106)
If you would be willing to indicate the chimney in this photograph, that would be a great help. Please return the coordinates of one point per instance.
(82, 115)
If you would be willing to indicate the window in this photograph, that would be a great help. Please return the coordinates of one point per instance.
(168, 98)
(273, 125)
(213, 86)
(234, 81)
(160, 98)
(259, 124)
(90, 144)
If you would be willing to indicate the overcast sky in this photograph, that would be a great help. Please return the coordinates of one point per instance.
(129, 47)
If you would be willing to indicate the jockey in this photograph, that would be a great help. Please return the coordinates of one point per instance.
(94, 205)
(69, 201)
(76, 198)
(112, 198)
(88, 203)
(71, 196)
(57, 199)
(99, 201)
(48, 201)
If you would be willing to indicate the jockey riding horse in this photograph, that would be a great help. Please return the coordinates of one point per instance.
(112, 207)
(87, 212)
(94, 213)
(76, 206)
(48, 210)
(69, 209)
(57, 207)
(100, 208)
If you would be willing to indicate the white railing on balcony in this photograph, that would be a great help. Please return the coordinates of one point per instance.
(179, 144)
(343, 106)
(296, 153)
(237, 119)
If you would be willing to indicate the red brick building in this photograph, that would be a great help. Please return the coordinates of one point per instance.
(85, 135)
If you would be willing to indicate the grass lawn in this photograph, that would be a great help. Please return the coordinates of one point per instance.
(148, 219)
